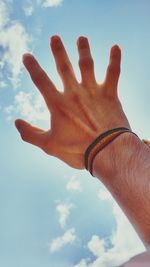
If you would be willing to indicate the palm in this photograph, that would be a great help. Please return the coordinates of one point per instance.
(70, 132)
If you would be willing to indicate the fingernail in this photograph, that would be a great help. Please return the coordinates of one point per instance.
(55, 39)
(55, 42)
(26, 56)
(115, 48)
(82, 41)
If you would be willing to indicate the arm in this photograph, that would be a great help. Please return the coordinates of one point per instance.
(124, 168)
(141, 260)
(81, 113)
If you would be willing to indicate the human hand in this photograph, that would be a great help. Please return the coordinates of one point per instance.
(83, 111)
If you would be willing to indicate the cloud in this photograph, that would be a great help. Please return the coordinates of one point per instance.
(83, 263)
(125, 242)
(68, 238)
(51, 3)
(4, 14)
(105, 195)
(74, 184)
(2, 84)
(64, 212)
(28, 10)
(14, 42)
(96, 246)
(30, 106)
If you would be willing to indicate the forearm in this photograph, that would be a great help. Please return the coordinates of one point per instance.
(124, 167)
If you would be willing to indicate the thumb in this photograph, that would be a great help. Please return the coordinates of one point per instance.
(29, 133)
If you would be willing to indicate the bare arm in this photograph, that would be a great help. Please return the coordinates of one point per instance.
(81, 113)
(124, 168)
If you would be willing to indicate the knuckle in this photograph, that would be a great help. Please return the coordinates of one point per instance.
(113, 69)
(23, 136)
(74, 96)
(47, 148)
(115, 56)
(86, 62)
(38, 76)
(64, 68)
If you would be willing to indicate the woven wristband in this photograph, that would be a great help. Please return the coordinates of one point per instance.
(99, 143)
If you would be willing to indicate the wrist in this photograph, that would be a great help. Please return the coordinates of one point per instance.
(117, 157)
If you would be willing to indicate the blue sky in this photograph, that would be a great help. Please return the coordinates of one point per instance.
(52, 214)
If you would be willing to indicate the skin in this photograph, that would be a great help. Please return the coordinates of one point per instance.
(78, 115)
(82, 112)
(124, 167)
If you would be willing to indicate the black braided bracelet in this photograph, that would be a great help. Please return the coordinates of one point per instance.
(99, 138)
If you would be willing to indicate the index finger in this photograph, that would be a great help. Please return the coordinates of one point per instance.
(41, 80)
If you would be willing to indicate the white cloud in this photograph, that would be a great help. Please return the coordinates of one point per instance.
(4, 14)
(28, 10)
(74, 184)
(105, 195)
(64, 212)
(30, 106)
(96, 246)
(82, 263)
(68, 238)
(14, 42)
(125, 241)
(51, 3)
(2, 84)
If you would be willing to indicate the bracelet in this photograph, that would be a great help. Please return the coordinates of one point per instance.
(99, 143)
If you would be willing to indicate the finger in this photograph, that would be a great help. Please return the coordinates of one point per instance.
(86, 62)
(63, 63)
(113, 70)
(41, 80)
(30, 134)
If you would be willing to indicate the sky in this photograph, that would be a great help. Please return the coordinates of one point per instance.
(52, 214)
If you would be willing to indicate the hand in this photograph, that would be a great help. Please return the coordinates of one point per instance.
(83, 111)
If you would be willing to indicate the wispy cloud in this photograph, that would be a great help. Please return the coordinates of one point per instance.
(28, 10)
(64, 211)
(125, 242)
(96, 246)
(2, 84)
(67, 238)
(4, 14)
(51, 3)
(14, 42)
(74, 184)
(30, 106)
